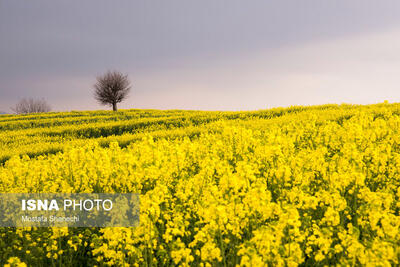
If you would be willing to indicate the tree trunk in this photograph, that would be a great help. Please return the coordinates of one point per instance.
(114, 106)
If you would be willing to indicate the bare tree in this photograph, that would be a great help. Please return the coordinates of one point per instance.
(111, 88)
(31, 105)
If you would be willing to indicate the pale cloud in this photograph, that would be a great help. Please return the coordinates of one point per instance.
(357, 69)
(224, 55)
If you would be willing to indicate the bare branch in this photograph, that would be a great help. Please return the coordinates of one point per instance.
(31, 105)
(111, 88)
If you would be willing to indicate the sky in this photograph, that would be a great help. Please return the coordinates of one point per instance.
(203, 55)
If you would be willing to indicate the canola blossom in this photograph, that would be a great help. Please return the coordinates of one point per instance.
(281, 187)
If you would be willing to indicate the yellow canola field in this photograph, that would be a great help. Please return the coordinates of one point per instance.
(282, 187)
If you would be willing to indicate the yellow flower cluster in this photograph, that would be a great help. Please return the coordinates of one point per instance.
(282, 187)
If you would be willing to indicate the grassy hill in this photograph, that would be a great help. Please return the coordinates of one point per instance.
(314, 185)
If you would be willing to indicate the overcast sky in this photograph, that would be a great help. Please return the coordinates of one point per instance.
(208, 54)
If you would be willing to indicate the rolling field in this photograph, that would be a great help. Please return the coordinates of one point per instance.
(292, 186)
